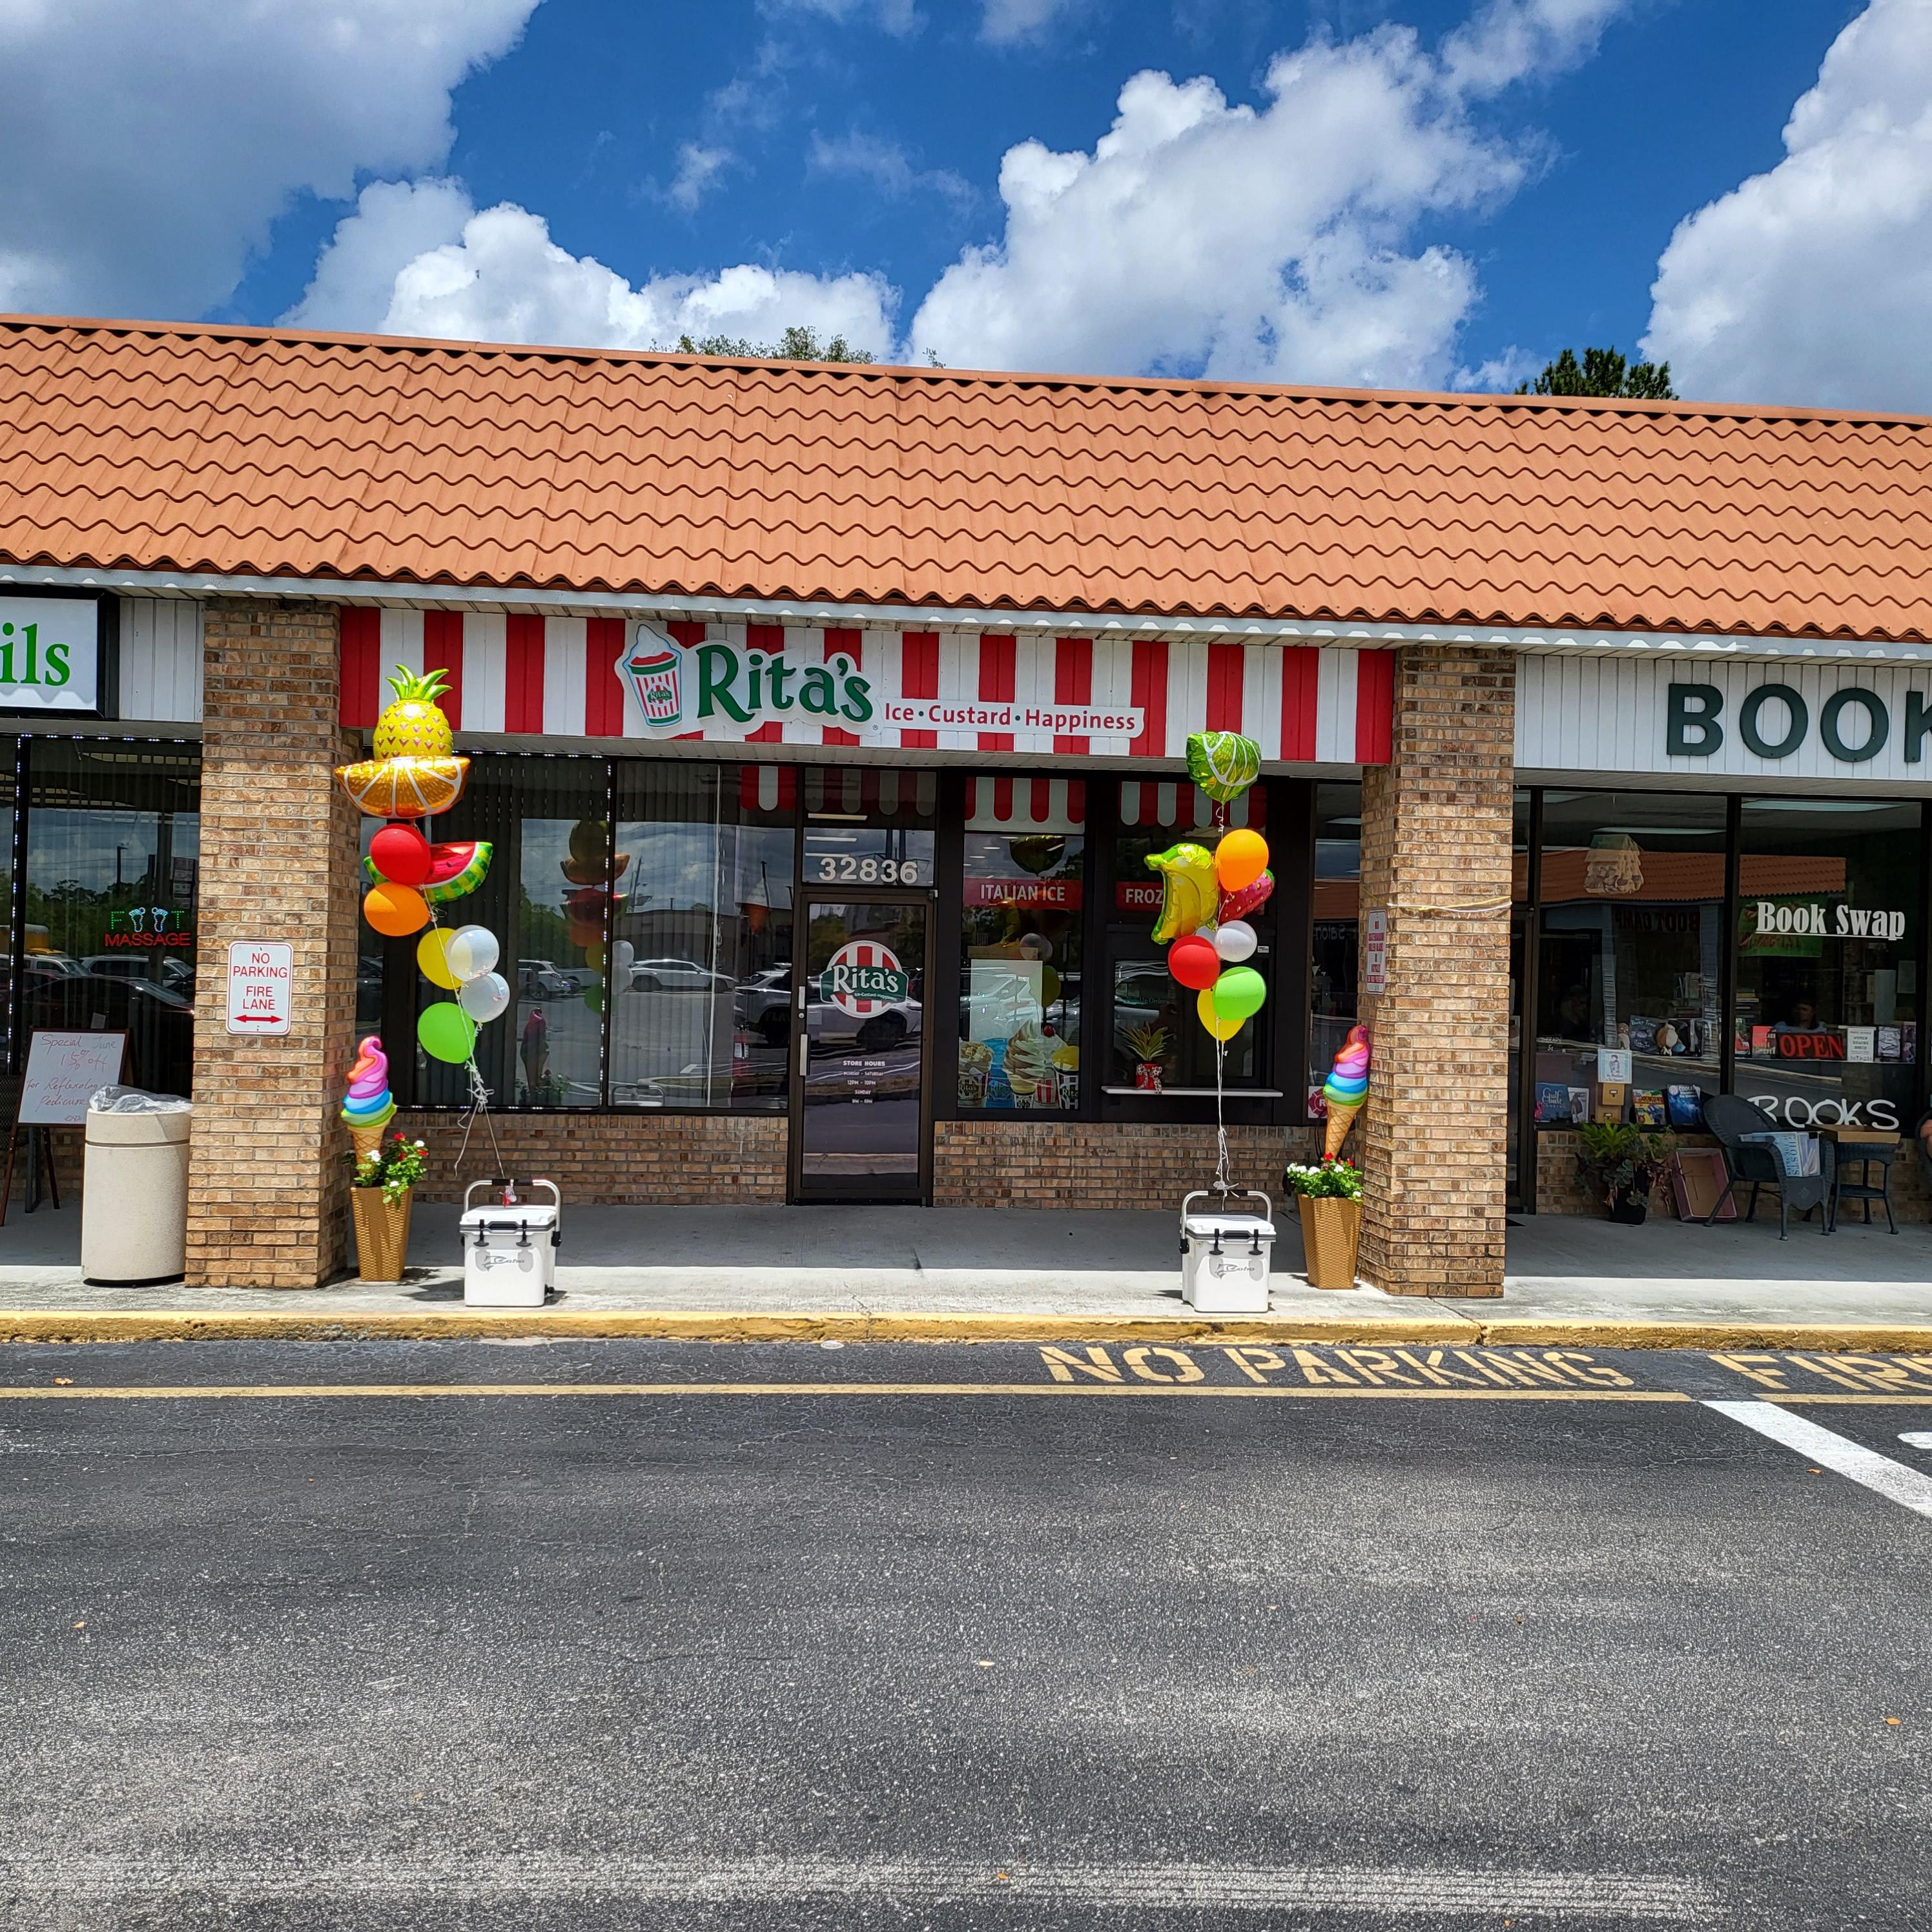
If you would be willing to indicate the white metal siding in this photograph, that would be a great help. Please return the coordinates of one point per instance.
(161, 660)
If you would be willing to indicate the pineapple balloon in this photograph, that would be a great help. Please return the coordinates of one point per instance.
(412, 775)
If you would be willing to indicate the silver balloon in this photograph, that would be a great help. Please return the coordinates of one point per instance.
(484, 996)
(1235, 940)
(473, 952)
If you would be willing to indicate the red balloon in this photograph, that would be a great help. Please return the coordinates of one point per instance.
(401, 854)
(1193, 961)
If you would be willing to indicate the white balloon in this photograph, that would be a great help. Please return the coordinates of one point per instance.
(484, 996)
(1235, 940)
(473, 952)
(623, 955)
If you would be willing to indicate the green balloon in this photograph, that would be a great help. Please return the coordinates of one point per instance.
(593, 998)
(446, 1031)
(1239, 993)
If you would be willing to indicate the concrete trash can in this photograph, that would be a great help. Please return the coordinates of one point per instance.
(134, 1202)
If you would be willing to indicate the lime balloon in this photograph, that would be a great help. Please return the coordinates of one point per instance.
(1239, 994)
(593, 998)
(433, 957)
(447, 1032)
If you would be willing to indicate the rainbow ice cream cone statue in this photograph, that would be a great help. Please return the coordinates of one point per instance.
(368, 1109)
(1346, 1090)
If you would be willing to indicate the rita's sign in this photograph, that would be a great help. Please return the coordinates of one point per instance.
(711, 687)
(49, 653)
(717, 689)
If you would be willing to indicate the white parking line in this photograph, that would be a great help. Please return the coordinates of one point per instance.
(1911, 1488)
(537, 1877)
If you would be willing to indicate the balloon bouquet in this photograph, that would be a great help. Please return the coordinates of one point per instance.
(412, 775)
(1208, 897)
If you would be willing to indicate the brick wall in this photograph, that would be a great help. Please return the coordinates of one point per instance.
(1075, 1164)
(267, 1199)
(1435, 856)
(628, 1159)
(697, 1159)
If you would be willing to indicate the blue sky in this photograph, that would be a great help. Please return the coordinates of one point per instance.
(1418, 195)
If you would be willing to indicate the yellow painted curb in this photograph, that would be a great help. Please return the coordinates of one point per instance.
(28, 1325)
(704, 1325)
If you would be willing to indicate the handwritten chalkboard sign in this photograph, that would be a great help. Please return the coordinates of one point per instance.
(64, 1071)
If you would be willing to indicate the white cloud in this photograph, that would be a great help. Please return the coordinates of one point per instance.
(1274, 242)
(886, 166)
(418, 260)
(698, 168)
(1006, 21)
(394, 223)
(896, 17)
(149, 147)
(1811, 284)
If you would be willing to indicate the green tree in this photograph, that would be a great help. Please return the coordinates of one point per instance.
(795, 345)
(1602, 372)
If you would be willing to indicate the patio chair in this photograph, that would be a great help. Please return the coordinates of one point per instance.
(1730, 1118)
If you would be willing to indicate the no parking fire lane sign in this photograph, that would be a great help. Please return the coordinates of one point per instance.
(260, 973)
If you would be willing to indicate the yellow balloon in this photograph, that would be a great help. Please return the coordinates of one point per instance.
(593, 955)
(433, 956)
(1221, 1028)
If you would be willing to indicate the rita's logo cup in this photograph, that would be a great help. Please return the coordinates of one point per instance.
(655, 666)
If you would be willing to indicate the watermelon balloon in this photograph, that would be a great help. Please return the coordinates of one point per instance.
(456, 870)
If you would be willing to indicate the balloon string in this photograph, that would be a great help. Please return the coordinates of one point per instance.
(1223, 1184)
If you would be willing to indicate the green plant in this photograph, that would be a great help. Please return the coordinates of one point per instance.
(1616, 1159)
(1325, 1179)
(397, 1164)
(1148, 1043)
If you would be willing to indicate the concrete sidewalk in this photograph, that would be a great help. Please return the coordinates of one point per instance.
(978, 1271)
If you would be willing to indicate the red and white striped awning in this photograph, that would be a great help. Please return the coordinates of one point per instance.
(1026, 804)
(525, 675)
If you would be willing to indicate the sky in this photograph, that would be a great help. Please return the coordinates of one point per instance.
(1431, 195)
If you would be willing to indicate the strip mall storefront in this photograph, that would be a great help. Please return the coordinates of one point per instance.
(986, 849)
(1586, 728)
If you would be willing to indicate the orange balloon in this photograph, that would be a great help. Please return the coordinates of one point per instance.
(396, 911)
(1239, 859)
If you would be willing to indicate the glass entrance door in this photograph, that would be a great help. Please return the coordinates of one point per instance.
(860, 1120)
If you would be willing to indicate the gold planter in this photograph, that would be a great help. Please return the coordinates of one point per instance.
(382, 1233)
(1331, 1232)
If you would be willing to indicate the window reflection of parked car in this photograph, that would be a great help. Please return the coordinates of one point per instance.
(763, 1003)
(828, 1024)
(675, 976)
(150, 966)
(53, 966)
(538, 980)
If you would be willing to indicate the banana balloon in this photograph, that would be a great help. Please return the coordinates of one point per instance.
(1190, 892)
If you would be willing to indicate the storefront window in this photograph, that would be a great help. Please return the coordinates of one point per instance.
(1159, 1044)
(1020, 944)
(111, 897)
(1827, 1019)
(545, 819)
(1629, 952)
(1332, 1008)
(700, 971)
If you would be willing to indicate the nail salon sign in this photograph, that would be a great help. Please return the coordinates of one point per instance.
(1793, 720)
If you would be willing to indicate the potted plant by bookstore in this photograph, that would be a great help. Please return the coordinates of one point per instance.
(1328, 1196)
(1622, 1164)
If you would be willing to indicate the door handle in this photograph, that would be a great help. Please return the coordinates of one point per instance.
(804, 1046)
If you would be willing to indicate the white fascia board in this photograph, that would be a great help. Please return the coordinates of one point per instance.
(1334, 632)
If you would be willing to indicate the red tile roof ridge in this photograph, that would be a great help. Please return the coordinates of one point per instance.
(941, 376)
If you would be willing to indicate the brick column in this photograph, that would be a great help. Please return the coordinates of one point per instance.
(268, 1201)
(1436, 857)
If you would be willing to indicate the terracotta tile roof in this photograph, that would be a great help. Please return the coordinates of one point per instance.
(252, 452)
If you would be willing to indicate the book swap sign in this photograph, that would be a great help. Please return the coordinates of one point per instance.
(64, 1071)
(260, 972)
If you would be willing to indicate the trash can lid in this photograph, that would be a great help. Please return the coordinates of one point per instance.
(137, 1129)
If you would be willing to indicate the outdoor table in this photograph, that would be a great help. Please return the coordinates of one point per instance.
(1869, 1147)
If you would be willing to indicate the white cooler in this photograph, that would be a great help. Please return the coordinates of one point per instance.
(1225, 1254)
(509, 1247)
